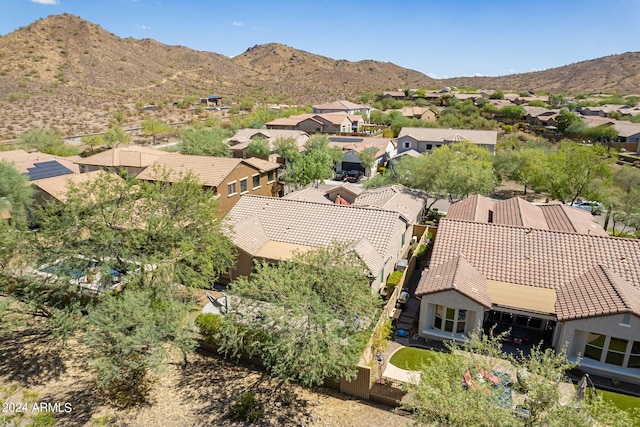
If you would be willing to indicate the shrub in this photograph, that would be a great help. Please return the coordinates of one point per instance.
(393, 280)
(209, 325)
(246, 408)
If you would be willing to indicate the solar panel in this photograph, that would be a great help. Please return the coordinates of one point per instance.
(47, 170)
(344, 139)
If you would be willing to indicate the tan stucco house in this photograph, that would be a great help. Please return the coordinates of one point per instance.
(545, 271)
(229, 178)
(132, 158)
(425, 140)
(272, 229)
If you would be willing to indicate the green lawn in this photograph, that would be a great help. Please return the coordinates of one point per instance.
(622, 401)
(411, 358)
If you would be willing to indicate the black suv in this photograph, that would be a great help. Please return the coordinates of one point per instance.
(352, 176)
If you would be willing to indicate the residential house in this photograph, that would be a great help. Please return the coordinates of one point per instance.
(345, 192)
(36, 165)
(273, 229)
(353, 146)
(242, 138)
(540, 116)
(343, 107)
(319, 123)
(424, 140)
(602, 110)
(395, 94)
(57, 187)
(229, 178)
(422, 113)
(545, 272)
(131, 158)
(408, 202)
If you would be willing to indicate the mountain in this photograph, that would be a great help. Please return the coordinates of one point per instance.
(65, 72)
(614, 73)
(302, 75)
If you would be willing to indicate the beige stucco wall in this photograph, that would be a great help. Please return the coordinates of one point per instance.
(396, 250)
(243, 171)
(575, 333)
(450, 299)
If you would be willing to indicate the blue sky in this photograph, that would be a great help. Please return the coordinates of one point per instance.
(441, 38)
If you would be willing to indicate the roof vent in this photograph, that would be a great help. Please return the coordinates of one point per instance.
(490, 219)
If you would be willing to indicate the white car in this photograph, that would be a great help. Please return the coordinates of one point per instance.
(589, 205)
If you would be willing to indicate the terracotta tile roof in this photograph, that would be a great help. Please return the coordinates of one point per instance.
(210, 171)
(520, 213)
(485, 137)
(261, 164)
(58, 186)
(597, 292)
(125, 156)
(255, 218)
(456, 274)
(406, 201)
(339, 105)
(23, 160)
(309, 194)
(526, 256)
(359, 144)
(341, 201)
(243, 137)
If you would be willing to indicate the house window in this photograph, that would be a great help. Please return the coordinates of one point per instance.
(429, 146)
(407, 145)
(612, 350)
(616, 351)
(634, 357)
(244, 185)
(271, 176)
(595, 344)
(450, 319)
(231, 189)
(255, 181)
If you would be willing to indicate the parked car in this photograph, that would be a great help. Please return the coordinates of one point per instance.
(594, 207)
(353, 176)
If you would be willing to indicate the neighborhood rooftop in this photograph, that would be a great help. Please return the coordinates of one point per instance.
(520, 213)
(257, 220)
(210, 171)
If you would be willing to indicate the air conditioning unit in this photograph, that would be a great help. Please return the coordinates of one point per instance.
(402, 264)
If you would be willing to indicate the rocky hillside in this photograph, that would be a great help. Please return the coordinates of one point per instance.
(615, 73)
(302, 75)
(68, 73)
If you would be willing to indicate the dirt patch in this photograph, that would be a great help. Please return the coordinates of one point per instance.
(201, 394)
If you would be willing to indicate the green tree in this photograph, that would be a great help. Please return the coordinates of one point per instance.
(522, 166)
(259, 147)
(160, 238)
(574, 171)
(497, 95)
(452, 171)
(477, 402)
(316, 165)
(132, 334)
(623, 203)
(93, 141)
(205, 142)
(47, 141)
(154, 128)
(367, 159)
(116, 135)
(16, 195)
(566, 118)
(307, 319)
(555, 100)
(512, 113)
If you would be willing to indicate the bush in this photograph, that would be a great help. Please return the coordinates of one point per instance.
(393, 280)
(246, 408)
(209, 325)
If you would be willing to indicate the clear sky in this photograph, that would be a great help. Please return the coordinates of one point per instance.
(441, 38)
